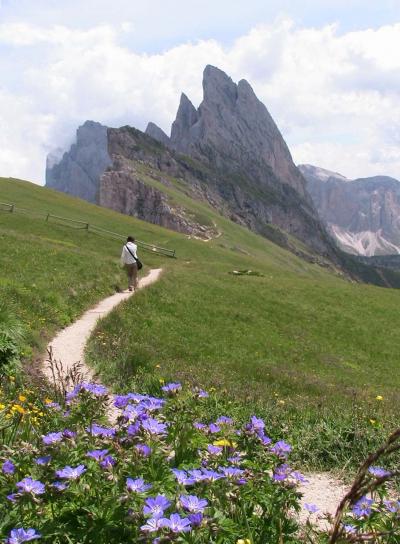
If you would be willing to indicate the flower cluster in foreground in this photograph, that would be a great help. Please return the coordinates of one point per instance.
(171, 469)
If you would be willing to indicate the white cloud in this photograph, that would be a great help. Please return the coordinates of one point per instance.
(334, 96)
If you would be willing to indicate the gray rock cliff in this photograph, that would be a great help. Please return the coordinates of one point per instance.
(157, 133)
(362, 214)
(79, 170)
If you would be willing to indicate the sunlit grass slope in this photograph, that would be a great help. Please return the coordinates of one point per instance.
(297, 330)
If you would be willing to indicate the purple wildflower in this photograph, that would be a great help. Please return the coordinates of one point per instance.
(17, 536)
(137, 486)
(256, 425)
(133, 428)
(299, 477)
(201, 394)
(154, 427)
(120, 401)
(196, 519)
(132, 411)
(71, 473)
(363, 507)
(67, 433)
(172, 387)
(43, 461)
(379, 472)
(52, 438)
(349, 529)
(95, 389)
(108, 462)
(281, 448)
(193, 504)
(392, 506)
(235, 459)
(155, 506)
(265, 440)
(152, 525)
(311, 508)
(97, 454)
(143, 450)
(12, 497)
(232, 473)
(60, 486)
(98, 430)
(214, 450)
(182, 477)
(211, 476)
(176, 524)
(199, 426)
(224, 420)
(152, 404)
(196, 475)
(281, 473)
(213, 428)
(8, 467)
(28, 485)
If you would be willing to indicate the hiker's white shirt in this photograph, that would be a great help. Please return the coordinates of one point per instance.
(126, 257)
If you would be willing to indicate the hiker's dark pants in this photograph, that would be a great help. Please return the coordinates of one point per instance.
(132, 272)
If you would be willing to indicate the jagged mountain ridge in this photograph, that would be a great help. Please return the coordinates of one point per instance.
(362, 214)
(228, 152)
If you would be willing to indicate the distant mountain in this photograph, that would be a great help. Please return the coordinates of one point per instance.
(229, 152)
(363, 215)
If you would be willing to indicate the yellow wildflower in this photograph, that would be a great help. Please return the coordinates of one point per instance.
(379, 397)
(224, 442)
(12, 379)
(48, 401)
(281, 402)
(161, 380)
(243, 541)
(158, 366)
(22, 398)
(2, 406)
(18, 408)
(372, 421)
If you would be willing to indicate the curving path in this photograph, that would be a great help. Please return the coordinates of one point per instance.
(68, 345)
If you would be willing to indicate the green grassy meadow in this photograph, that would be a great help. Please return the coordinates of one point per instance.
(298, 340)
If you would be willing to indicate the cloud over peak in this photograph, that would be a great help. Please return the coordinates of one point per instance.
(334, 95)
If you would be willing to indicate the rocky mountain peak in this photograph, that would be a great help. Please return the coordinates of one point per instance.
(218, 86)
(157, 133)
(234, 132)
(186, 117)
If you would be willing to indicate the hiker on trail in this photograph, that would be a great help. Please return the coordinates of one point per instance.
(129, 260)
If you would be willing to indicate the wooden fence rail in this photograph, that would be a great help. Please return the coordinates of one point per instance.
(75, 223)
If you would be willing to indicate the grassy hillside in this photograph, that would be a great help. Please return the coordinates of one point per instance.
(292, 337)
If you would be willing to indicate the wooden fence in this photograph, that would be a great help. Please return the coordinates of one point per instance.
(84, 225)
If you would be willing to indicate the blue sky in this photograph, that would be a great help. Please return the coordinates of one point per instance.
(328, 71)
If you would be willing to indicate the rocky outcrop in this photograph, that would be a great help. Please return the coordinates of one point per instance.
(233, 133)
(157, 133)
(79, 170)
(229, 152)
(363, 214)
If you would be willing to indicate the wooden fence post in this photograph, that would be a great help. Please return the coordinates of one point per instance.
(12, 208)
(47, 217)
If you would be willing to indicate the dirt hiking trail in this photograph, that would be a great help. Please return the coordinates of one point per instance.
(68, 347)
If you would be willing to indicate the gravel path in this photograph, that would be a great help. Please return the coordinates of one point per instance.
(325, 492)
(69, 345)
